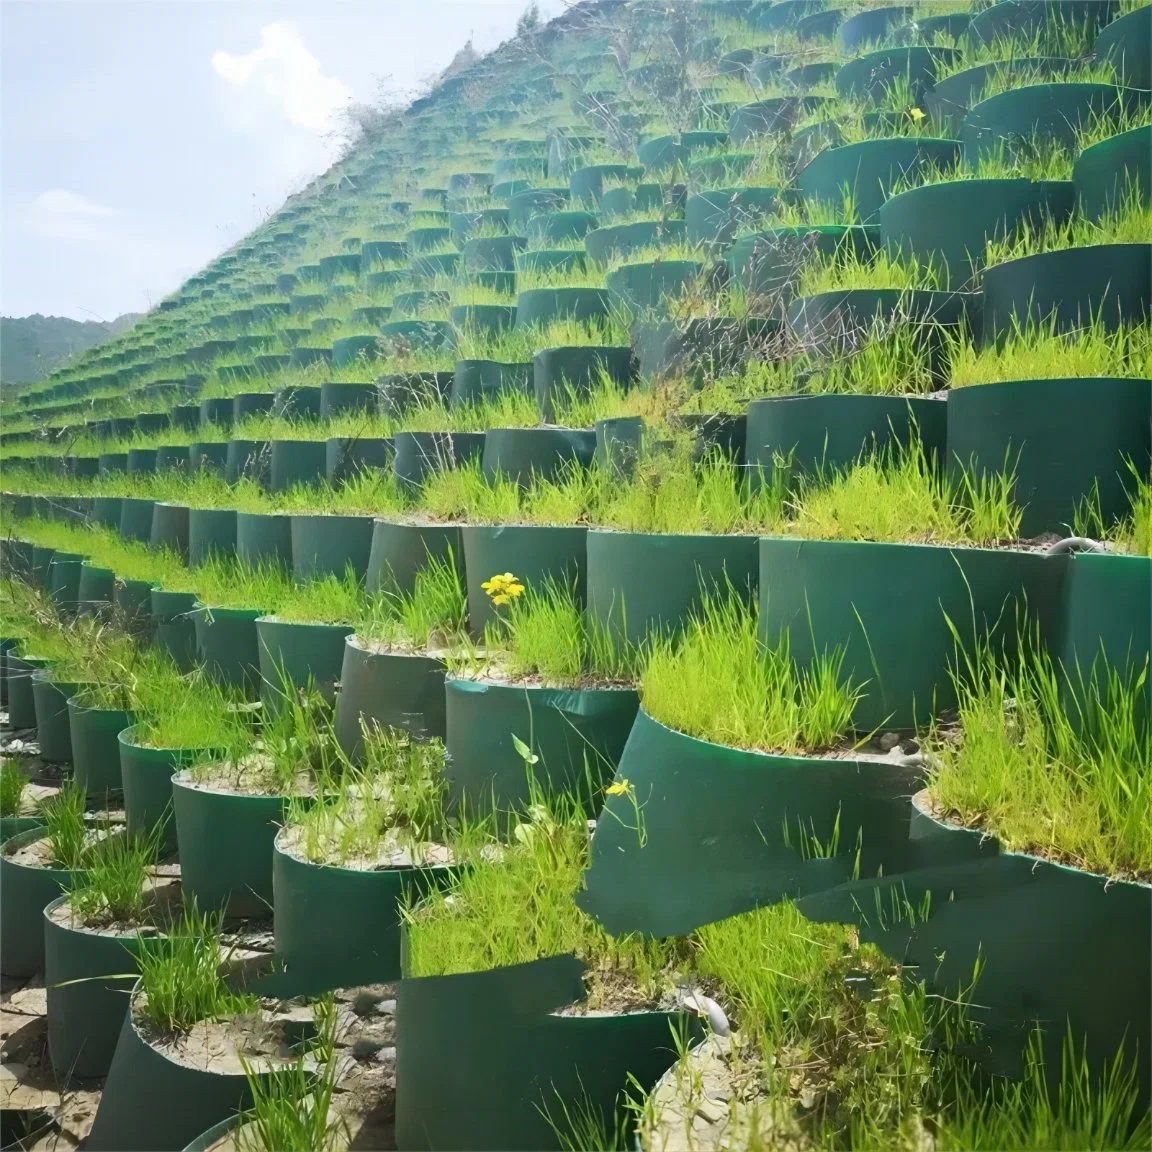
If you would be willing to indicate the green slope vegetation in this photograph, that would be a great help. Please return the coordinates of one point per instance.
(663, 526)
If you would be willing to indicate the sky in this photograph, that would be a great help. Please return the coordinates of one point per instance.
(139, 138)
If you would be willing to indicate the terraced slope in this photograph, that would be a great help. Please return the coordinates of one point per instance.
(728, 422)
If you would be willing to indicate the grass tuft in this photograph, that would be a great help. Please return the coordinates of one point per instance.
(1038, 350)
(897, 495)
(397, 799)
(1127, 224)
(69, 835)
(199, 714)
(114, 888)
(433, 615)
(180, 975)
(669, 493)
(719, 682)
(292, 1111)
(518, 905)
(544, 632)
(1053, 763)
(845, 269)
(12, 785)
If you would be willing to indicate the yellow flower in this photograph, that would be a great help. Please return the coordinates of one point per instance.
(502, 587)
(916, 114)
(620, 788)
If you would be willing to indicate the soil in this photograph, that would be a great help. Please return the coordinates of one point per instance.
(229, 1142)
(1031, 544)
(263, 1038)
(900, 748)
(164, 906)
(251, 775)
(21, 745)
(382, 647)
(390, 853)
(38, 853)
(421, 520)
(952, 817)
(613, 992)
(26, 1077)
(315, 512)
(926, 802)
(491, 672)
(519, 518)
(325, 622)
(882, 747)
(715, 1100)
(27, 1080)
(437, 647)
(364, 1100)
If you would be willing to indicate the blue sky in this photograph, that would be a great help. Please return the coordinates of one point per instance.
(141, 137)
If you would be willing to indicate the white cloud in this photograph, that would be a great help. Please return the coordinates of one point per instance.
(290, 74)
(59, 214)
(61, 202)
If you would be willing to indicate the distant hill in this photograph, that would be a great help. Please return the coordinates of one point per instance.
(31, 346)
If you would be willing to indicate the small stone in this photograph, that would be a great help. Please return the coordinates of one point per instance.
(386, 1055)
(386, 1008)
(31, 1001)
(18, 1089)
(890, 740)
(711, 1110)
(708, 1008)
(364, 1003)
